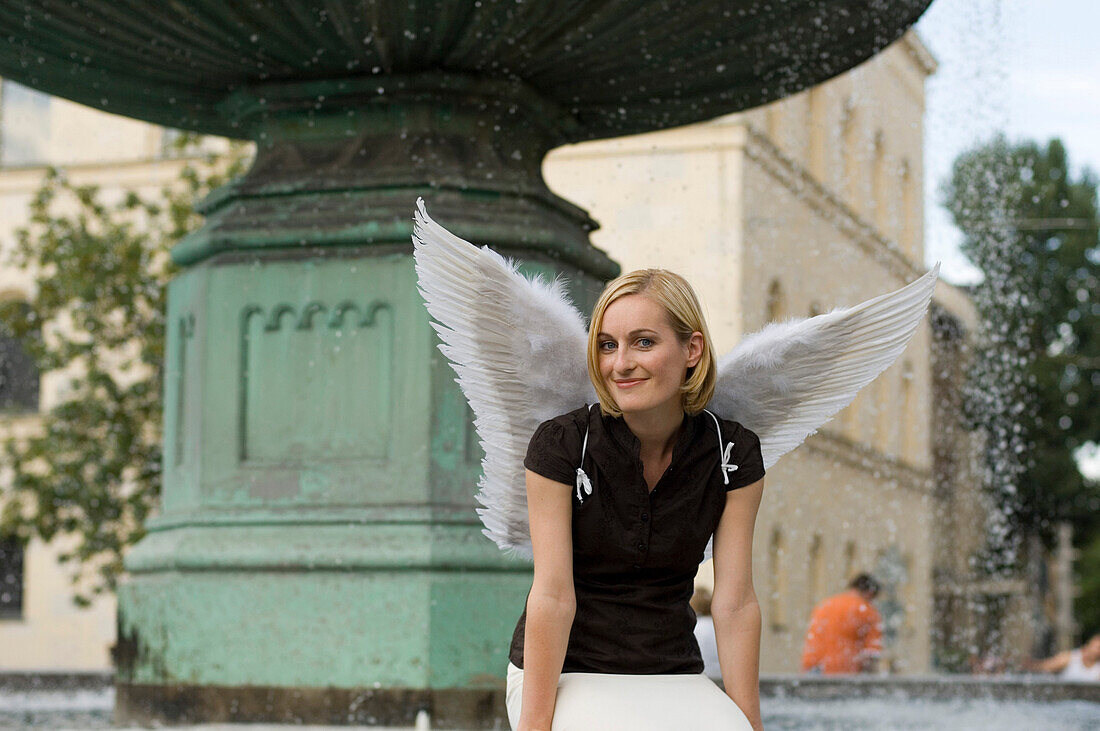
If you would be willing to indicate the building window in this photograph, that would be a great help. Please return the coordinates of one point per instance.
(892, 569)
(777, 601)
(907, 596)
(850, 417)
(849, 561)
(907, 416)
(908, 211)
(817, 573)
(852, 155)
(775, 306)
(11, 578)
(170, 142)
(817, 126)
(885, 422)
(18, 375)
(24, 125)
(773, 119)
(879, 195)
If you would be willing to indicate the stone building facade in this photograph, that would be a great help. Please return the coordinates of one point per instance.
(790, 210)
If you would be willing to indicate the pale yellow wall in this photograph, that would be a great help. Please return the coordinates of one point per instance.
(964, 504)
(736, 207)
(18, 186)
(818, 254)
(668, 199)
(824, 489)
(42, 129)
(962, 591)
(53, 633)
(81, 135)
(861, 136)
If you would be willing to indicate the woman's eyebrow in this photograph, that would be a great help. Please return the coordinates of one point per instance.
(632, 333)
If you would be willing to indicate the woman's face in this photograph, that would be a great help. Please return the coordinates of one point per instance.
(642, 361)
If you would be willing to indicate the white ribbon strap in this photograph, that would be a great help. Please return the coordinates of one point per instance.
(583, 483)
(727, 468)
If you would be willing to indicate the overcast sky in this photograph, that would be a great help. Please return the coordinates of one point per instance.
(1029, 67)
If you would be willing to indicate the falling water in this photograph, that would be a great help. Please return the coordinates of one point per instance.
(968, 105)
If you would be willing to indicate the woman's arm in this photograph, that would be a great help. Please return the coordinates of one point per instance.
(1055, 664)
(552, 602)
(734, 608)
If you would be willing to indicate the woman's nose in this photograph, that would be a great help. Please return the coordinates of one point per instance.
(624, 361)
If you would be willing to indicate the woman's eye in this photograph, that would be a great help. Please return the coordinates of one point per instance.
(645, 342)
(607, 345)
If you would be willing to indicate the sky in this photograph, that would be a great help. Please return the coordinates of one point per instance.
(1028, 67)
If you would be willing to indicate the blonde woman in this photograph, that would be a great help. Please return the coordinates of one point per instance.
(607, 639)
(627, 480)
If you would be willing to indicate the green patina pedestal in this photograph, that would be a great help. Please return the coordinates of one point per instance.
(318, 557)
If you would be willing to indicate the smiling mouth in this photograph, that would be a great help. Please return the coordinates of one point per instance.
(629, 383)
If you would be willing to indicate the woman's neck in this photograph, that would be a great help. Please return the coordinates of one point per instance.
(656, 429)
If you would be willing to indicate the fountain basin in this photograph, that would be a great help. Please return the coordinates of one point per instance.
(789, 703)
(617, 67)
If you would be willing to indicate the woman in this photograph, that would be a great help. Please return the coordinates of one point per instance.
(622, 500)
(1080, 665)
(607, 628)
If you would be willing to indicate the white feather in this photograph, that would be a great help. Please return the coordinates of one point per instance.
(786, 380)
(518, 348)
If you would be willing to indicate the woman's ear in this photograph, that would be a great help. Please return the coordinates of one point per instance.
(694, 349)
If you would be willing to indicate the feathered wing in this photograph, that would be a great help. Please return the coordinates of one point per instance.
(518, 348)
(786, 380)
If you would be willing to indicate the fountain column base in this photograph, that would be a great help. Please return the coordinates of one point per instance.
(181, 704)
(318, 557)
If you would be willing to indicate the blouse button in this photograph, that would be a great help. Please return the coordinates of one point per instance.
(641, 546)
(645, 517)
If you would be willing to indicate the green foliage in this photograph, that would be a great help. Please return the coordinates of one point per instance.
(92, 468)
(1031, 226)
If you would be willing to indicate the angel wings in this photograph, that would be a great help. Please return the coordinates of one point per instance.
(518, 348)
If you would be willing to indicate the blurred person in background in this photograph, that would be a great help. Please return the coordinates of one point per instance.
(845, 633)
(1080, 664)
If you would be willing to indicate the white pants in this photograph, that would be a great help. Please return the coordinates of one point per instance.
(606, 702)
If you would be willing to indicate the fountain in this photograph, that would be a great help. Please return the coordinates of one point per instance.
(317, 557)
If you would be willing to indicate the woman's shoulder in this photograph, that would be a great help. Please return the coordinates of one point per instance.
(743, 450)
(556, 445)
(730, 428)
(577, 418)
(562, 430)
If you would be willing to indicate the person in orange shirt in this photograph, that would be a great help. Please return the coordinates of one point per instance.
(845, 634)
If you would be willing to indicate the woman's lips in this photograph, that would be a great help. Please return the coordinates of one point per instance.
(629, 383)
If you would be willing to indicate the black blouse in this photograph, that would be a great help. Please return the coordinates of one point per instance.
(636, 552)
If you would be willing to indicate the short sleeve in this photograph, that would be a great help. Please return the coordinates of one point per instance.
(549, 455)
(748, 458)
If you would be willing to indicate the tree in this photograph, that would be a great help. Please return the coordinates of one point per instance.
(1031, 227)
(92, 469)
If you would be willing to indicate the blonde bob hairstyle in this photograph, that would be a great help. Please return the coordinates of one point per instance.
(679, 302)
